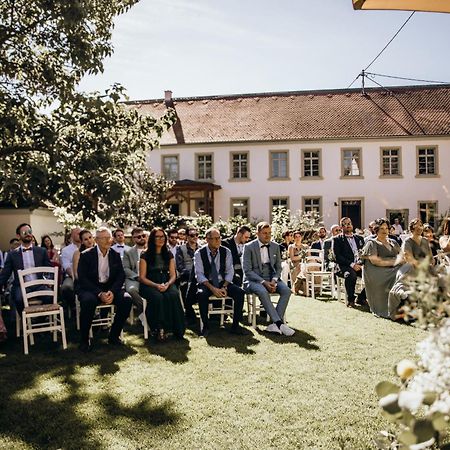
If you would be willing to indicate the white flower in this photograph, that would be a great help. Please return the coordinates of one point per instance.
(410, 400)
(405, 369)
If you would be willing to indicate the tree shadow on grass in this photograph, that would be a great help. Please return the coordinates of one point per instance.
(301, 338)
(222, 338)
(173, 350)
(47, 400)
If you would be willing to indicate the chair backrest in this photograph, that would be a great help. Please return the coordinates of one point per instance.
(49, 283)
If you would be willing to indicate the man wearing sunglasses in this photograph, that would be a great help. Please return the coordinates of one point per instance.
(25, 256)
(184, 261)
(130, 262)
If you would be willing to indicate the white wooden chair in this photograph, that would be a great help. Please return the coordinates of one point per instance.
(254, 306)
(341, 293)
(53, 311)
(132, 318)
(219, 306)
(98, 321)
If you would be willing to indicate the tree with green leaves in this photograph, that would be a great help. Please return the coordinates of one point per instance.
(58, 146)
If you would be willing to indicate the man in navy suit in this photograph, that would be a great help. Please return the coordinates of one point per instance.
(25, 256)
(100, 280)
(261, 263)
(346, 250)
(236, 245)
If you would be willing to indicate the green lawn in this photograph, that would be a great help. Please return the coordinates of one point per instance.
(313, 390)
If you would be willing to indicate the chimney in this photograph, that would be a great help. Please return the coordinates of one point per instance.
(177, 128)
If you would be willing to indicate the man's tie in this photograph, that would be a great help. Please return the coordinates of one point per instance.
(27, 249)
(120, 246)
(214, 274)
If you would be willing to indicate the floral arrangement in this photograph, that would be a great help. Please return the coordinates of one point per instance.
(420, 405)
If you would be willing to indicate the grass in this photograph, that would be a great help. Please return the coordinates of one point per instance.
(314, 390)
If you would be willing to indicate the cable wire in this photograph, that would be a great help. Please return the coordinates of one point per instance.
(404, 78)
(393, 37)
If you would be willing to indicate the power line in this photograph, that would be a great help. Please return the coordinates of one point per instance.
(401, 104)
(351, 84)
(404, 78)
(393, 37)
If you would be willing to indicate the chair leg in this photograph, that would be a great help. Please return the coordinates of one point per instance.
(25, 334)
(18, 320)
(63, 328)
(249, 309)
(77, 313)
(254, 298)
(313, 286)
(30, 327)
(54, 322)
(144, 307)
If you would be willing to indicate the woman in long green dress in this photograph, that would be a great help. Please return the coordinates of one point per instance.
(157, 276)
(380, 268)
(415, 248)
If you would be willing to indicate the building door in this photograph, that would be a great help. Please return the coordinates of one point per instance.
(174, 208)
(352, 208)
(401, 214)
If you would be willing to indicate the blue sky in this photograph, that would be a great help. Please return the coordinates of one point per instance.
(209, 47)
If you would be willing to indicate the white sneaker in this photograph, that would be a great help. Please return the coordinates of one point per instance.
(286, 330)
(272, 328)
(141, 318)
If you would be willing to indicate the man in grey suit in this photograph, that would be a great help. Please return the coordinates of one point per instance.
(130, 263)
(262, 270)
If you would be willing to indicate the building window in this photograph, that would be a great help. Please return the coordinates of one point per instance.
(428, 212)
(205, 167)
(390, 162)
(312, 204)
(351, 163)
(278, 202)
(170, 167)
(278, 164)
(427, 161)
(239, 166)
(239, 207)
(311, 163)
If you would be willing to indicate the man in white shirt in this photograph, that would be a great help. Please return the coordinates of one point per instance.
(100, 280)
(261, 263)
(397, 226)
(172, 241)
(119, 238)
(67, 287)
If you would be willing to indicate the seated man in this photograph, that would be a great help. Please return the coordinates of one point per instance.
(346, 250)
(213, 265)
(119, 242)
(262, 269)
(67, 289)
(236, 246)
(322, 235)
(184, 262)
(101, 277)
(25, 256)
(130, 261)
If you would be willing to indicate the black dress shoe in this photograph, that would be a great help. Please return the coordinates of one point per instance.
(85, 347)
(239, 331)
(204, 332)
(115, 341)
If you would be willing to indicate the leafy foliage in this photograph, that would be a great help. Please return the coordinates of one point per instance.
(85, 153)
(420, 406)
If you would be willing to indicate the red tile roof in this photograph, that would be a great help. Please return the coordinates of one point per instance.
(309, 115)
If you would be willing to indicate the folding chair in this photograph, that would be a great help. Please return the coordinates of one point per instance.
(99, 320)
(219, 306)
(53, 311)
(254, 306)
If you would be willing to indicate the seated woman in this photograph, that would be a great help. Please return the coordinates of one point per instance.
(157, 276)
(444, 240)
(415, 248)
(297, 250)
(381, 261)
(428, 234)
(87, 241)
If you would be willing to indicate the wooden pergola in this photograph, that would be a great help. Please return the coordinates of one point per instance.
(188, 190)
